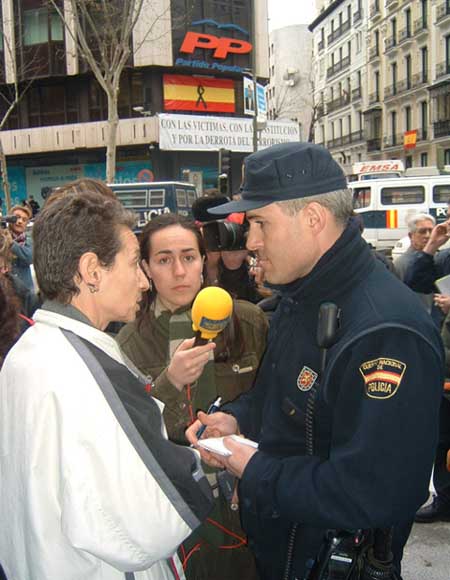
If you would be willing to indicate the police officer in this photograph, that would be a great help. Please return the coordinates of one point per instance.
(350, 447)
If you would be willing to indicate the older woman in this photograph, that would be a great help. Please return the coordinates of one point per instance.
(188, 378)
(90, 486)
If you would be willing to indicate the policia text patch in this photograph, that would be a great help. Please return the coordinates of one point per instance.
(382, 377)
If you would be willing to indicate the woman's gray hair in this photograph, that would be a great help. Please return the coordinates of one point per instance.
(68, 228)
(339, 203)
(419, 217)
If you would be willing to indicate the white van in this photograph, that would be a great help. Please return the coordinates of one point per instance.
(387, 204)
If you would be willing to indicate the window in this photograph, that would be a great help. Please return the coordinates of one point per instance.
(394, 31)
(132, 198)
(403, 195)
(441, 193)
(408, 70)
(408, 161)
(156, 197)
(407, 118)
(377, 85)
(408, 22)
(393, 128)
(424, 64)
(447, 54)
(41, 26)
(394, 77)
(424, 119)
(191, 197)
(181, 197)
(361, 197)
(424, 162)
(424, 13)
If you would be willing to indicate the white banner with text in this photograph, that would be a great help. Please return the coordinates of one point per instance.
(200, 133)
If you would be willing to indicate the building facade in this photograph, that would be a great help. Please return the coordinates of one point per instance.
(340, 79)
(189, 68)
(289, 92)
(399, 72)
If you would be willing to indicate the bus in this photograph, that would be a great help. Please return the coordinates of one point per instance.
(386, 205)
(150, 199)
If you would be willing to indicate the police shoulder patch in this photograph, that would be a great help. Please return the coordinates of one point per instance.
(306, 379)
(382, 377)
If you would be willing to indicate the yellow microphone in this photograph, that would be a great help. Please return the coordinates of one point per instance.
(211, 312)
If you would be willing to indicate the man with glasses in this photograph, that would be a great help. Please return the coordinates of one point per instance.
(420, 227)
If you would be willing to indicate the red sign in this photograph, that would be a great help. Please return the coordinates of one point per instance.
(222, 46)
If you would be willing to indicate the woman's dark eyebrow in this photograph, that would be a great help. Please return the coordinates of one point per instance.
(171, 251)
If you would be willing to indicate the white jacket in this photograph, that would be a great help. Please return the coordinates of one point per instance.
(76, 499)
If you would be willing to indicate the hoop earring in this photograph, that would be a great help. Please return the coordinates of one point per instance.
(202, 279)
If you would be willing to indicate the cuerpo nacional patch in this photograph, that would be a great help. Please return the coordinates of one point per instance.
(306, 379)
(382, 377)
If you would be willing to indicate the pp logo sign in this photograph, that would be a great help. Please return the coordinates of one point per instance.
(222, 47)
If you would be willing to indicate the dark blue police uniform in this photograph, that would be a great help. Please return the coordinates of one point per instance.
(352, 448)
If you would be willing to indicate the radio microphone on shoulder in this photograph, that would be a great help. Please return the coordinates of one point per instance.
(211, 312)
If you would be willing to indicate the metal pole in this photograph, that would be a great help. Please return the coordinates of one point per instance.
(255, 95)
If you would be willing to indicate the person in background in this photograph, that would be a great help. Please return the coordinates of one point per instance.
(22, 246)
(420, 227)
(91, 486)
(346, 400)
(186, 378)
(35, 207)
(28, 301)
(82, 185)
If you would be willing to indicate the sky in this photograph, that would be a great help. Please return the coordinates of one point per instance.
(286, 12)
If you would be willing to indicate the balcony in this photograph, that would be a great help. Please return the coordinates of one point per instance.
(390, 90)
(357, 136)
(374, 144)
(404, 36)
(341, 101)
(395, 140)
(374, 52)
(442, 69)
(357, 16)
(391, 4)
(442, 12)
(375, 11)
(441, 128)
(338, 67)
(321, 46)
(390, 43)
(320, 110)
(420, 79)
(422, 134)
(374, 98)
(420, 26)
(356, 94)
(340, 31)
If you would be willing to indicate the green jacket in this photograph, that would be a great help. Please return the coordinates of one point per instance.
(148, 349)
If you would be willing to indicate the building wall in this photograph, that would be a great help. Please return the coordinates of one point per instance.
(341, 79)
(290, 85)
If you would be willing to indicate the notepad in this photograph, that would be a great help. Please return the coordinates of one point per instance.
(216, 444)
(443, 284)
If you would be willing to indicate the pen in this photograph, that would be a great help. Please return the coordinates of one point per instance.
(212, 409)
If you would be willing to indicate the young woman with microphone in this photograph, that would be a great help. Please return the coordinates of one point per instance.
(187, 377)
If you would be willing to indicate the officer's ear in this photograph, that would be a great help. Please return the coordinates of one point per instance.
(316, 217)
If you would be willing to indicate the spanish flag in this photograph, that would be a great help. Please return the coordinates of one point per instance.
(191, 93)
(391, 218)
(409, 139)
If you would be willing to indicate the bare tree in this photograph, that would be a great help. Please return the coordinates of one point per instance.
(102, 32)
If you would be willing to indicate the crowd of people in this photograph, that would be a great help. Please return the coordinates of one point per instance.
(102, 474)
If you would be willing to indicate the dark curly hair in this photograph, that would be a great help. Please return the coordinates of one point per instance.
(9, 317)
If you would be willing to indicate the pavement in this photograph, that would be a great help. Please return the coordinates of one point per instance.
(427, 553)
